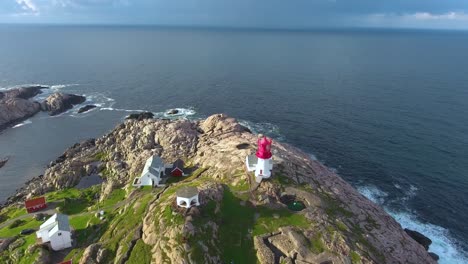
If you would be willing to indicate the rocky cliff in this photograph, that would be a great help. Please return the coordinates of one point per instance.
(238, 221)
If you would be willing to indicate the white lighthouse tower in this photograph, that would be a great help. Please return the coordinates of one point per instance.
(261, 162)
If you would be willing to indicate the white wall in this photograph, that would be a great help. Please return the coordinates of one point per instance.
(59, 242)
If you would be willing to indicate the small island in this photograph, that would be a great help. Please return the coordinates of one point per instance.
(18, 104)
(213, 209)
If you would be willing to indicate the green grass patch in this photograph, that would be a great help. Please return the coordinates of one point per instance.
(11, 212)
(16, 223)
(242, 186)
(80, 222)
(116, 196)
(281, 179)
(355, 257)
(79, 201)
(62, 194)
(29, 258)
(173, 179)
(236, 221)
(101, 156)
(73, 206)
(26, 223)
(75, 255)
(316, 244)
(141, 253)
(120, 230)
(171, 217)
(267, 222)
(237, 228)
(341, 226)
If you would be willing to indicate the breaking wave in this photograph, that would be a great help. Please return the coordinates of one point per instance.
(46, 92)
(181, 112)
(442, 243)
(266, 129)
(99, 100)
(22, 123)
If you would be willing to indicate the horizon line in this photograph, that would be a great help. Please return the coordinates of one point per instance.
(270, 28)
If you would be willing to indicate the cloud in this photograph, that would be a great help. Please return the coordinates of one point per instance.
(28, 6)
(446, 20)
(422, 16)
(446, 16)
(90, 3)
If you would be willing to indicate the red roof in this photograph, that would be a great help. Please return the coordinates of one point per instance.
(264, 148)
(35, 202)
(66, 262)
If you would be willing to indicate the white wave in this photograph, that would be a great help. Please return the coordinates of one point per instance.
(181, 113)
(23, 123)
(264, 128)
(61, 86)
(373, 193)
(313, 157)
(23, 85)
(99, 100)
(121, 110)
(52, 87)
(442, 243)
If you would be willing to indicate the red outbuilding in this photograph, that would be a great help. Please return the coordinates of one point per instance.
(178, 168)
(35, 205)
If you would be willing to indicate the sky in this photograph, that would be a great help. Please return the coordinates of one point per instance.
(432, 14)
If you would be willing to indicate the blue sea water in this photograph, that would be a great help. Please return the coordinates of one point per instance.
(387, 109)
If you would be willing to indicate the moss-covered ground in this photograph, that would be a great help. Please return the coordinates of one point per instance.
(141, 253)
(239, 222)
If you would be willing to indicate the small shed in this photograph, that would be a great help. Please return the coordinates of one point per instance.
(178, 168)
(187, 197)
(34, 205)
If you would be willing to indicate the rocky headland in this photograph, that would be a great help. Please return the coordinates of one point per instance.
(238, 220)
(18, 104)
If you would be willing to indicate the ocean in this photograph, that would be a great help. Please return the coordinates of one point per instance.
(387, 109)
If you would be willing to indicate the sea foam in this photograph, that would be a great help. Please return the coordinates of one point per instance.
(442, 243)
(264, 128)
(22, 123)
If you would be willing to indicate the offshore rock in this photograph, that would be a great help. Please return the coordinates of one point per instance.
(86, 108)
(58, 103)
(23, 92)
(3, 161)
(172, 112)
(141, 116)
(434, 256)
(15, 106)
(420, 238)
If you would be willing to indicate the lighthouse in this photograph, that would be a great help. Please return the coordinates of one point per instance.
(261, 162)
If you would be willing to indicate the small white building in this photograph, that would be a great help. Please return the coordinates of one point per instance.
(152, 173)
(187, 197)
(56, 230)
